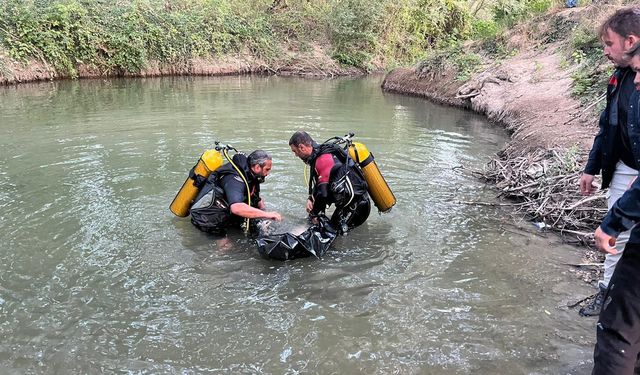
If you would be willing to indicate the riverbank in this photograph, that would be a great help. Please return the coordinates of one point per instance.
(530, 93)
(91, 38)
(316, 63)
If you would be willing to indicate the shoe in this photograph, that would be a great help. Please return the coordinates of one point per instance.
(595, 306)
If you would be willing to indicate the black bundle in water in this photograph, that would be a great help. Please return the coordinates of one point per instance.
(314, 241)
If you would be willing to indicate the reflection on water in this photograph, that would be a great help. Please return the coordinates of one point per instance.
(97, 275)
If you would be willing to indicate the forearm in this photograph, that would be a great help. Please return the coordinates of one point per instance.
(246, 211)
(320, 199)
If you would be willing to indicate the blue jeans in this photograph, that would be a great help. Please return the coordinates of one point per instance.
(572, 3)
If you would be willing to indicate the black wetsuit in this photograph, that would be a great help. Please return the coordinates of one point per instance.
(336, 179)
(211, 210)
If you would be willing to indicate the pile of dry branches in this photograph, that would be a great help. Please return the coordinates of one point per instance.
(544, 185)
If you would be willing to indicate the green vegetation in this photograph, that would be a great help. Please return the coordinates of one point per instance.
(487, 25)
(496, 22)
(589, 77)
(453, 56)
(127, 36)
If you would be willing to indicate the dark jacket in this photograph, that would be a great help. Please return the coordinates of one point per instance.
(625, 213)
(603, 156)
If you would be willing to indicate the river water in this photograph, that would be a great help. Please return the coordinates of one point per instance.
(96, 274)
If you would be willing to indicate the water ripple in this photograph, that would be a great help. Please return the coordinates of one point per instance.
(97, 276)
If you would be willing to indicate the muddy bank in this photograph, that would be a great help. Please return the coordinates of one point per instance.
(316, 64)
(529, 94)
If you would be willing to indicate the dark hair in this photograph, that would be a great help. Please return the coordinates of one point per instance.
(624, 22)
(300, 138)
(259, 157)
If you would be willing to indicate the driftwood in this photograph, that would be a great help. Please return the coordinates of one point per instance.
(544, 186)
(491, 204)
(591, 264)
(474, 87)
(574, 304)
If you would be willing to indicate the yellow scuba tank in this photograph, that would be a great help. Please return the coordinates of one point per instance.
(378, 188)
(209, 161)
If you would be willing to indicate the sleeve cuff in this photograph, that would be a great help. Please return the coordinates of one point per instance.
(607, 226)
(590, 170)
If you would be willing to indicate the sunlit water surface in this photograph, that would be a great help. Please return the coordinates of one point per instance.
(96, 275)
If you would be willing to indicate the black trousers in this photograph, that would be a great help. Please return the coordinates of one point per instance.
(348, 217)
(618, 329)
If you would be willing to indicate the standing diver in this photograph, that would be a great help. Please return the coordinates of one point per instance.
(224, 201)
(335, 178)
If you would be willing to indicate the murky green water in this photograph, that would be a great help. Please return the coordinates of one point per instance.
(96, 275)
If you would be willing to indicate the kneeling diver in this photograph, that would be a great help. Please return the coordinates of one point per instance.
(232, 193)
(335, 178)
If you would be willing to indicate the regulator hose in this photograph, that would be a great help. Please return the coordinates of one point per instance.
(246, 183)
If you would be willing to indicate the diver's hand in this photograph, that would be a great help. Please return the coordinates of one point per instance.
(605, 242)
(309, 205)
(586, 184)
(274, 216)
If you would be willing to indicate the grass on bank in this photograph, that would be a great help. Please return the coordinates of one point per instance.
(127, 35)
(539, 23)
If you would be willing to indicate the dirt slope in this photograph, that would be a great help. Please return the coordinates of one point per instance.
(528, 93)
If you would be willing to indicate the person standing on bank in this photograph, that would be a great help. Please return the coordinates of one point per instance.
(224, 200)
(611, 153)
(335, 178)
(618, 330)
(634, 63)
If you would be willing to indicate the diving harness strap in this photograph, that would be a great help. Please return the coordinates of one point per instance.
(345, 142)
(225, 151)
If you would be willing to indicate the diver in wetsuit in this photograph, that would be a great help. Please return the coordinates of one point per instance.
(224, 201)
(335, 179)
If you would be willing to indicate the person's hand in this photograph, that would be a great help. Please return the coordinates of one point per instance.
(274, 216)
(309, 205)
(586, 184)
(605, 242)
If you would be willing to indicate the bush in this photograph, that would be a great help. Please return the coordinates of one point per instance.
(124, 36)
(589, 80)
(560, 28)
(452, 56)
(466, 64)
(485, 29)
(352, 25)
(62, 33)
(508, 12)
